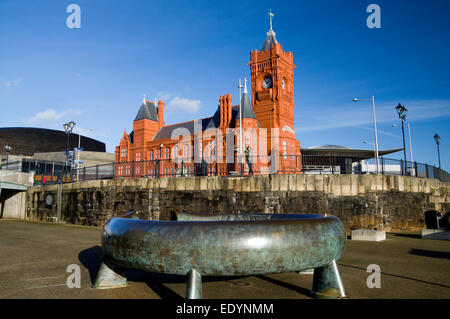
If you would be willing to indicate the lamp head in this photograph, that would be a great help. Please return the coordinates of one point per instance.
(355, 100)
(437, 138)
(401, 110)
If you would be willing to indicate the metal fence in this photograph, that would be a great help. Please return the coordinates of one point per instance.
(285, 164)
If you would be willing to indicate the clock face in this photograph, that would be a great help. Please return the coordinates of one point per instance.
(267, 83)
(283, 84)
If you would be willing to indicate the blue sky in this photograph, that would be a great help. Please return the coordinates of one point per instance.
(191, 52)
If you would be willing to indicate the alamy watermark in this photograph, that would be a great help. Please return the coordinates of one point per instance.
(373, 20)
(374, 280)
(74, 279)
(74, 19)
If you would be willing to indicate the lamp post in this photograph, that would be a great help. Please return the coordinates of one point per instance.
(240, 126)
(68, 128)
(401, 110)
(374, 127)
(374, 148)
(159, 158)
(413, 171)
(437, 138)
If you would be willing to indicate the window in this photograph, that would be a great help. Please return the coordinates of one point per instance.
(186, 151)
(123, 152)
(175, 152)
(168, 153)
(138, 157)
(284, 149)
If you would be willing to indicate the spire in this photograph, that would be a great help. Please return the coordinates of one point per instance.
(271, 38)
(246, 105)
(147, 111)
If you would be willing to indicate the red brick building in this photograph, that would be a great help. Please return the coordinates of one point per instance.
(212, 145)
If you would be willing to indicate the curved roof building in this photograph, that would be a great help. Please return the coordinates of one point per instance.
(29, 140)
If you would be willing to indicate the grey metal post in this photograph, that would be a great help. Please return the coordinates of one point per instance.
(194, 285)
(58, 203)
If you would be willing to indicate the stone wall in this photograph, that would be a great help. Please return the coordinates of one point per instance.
(368, 201)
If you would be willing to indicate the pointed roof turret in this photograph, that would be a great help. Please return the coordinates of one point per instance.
(147, 111)
(271, 38)
(246, 105)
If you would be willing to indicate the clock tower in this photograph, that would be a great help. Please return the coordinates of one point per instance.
(272, 71)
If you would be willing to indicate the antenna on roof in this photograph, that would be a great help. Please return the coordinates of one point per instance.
(143, 101)
(245, 85)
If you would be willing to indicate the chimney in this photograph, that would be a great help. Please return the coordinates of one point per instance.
(161, 113)
(228, 109)
(222, 110)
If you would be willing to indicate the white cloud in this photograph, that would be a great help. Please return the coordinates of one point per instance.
(51, 115)
(8, 84)
(83, 131)
(184, 104)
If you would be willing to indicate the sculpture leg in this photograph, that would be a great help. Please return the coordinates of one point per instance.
(194, 285)
(327, 282)
(110, 276)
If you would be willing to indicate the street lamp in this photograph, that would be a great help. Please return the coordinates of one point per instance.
(437, 138)
(68, 128)
(374, 127)
(401, 110)
(240, 126)
(410, 148)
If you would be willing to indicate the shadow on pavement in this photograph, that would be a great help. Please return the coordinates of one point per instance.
(91, 258)
(406, 235)
(398, 276)
(157, 281)
(430, 253)
(303, 291)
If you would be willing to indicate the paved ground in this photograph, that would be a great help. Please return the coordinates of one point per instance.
(34, 258)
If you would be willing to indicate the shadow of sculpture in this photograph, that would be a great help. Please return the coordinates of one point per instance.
(430, 253)
(300, 290)
(91, 258)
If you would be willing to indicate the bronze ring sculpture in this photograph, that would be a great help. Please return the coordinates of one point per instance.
(224, 245)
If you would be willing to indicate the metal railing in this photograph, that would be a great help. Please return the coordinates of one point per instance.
(285, 164)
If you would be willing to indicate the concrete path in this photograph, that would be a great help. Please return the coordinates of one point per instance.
(34, 258)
